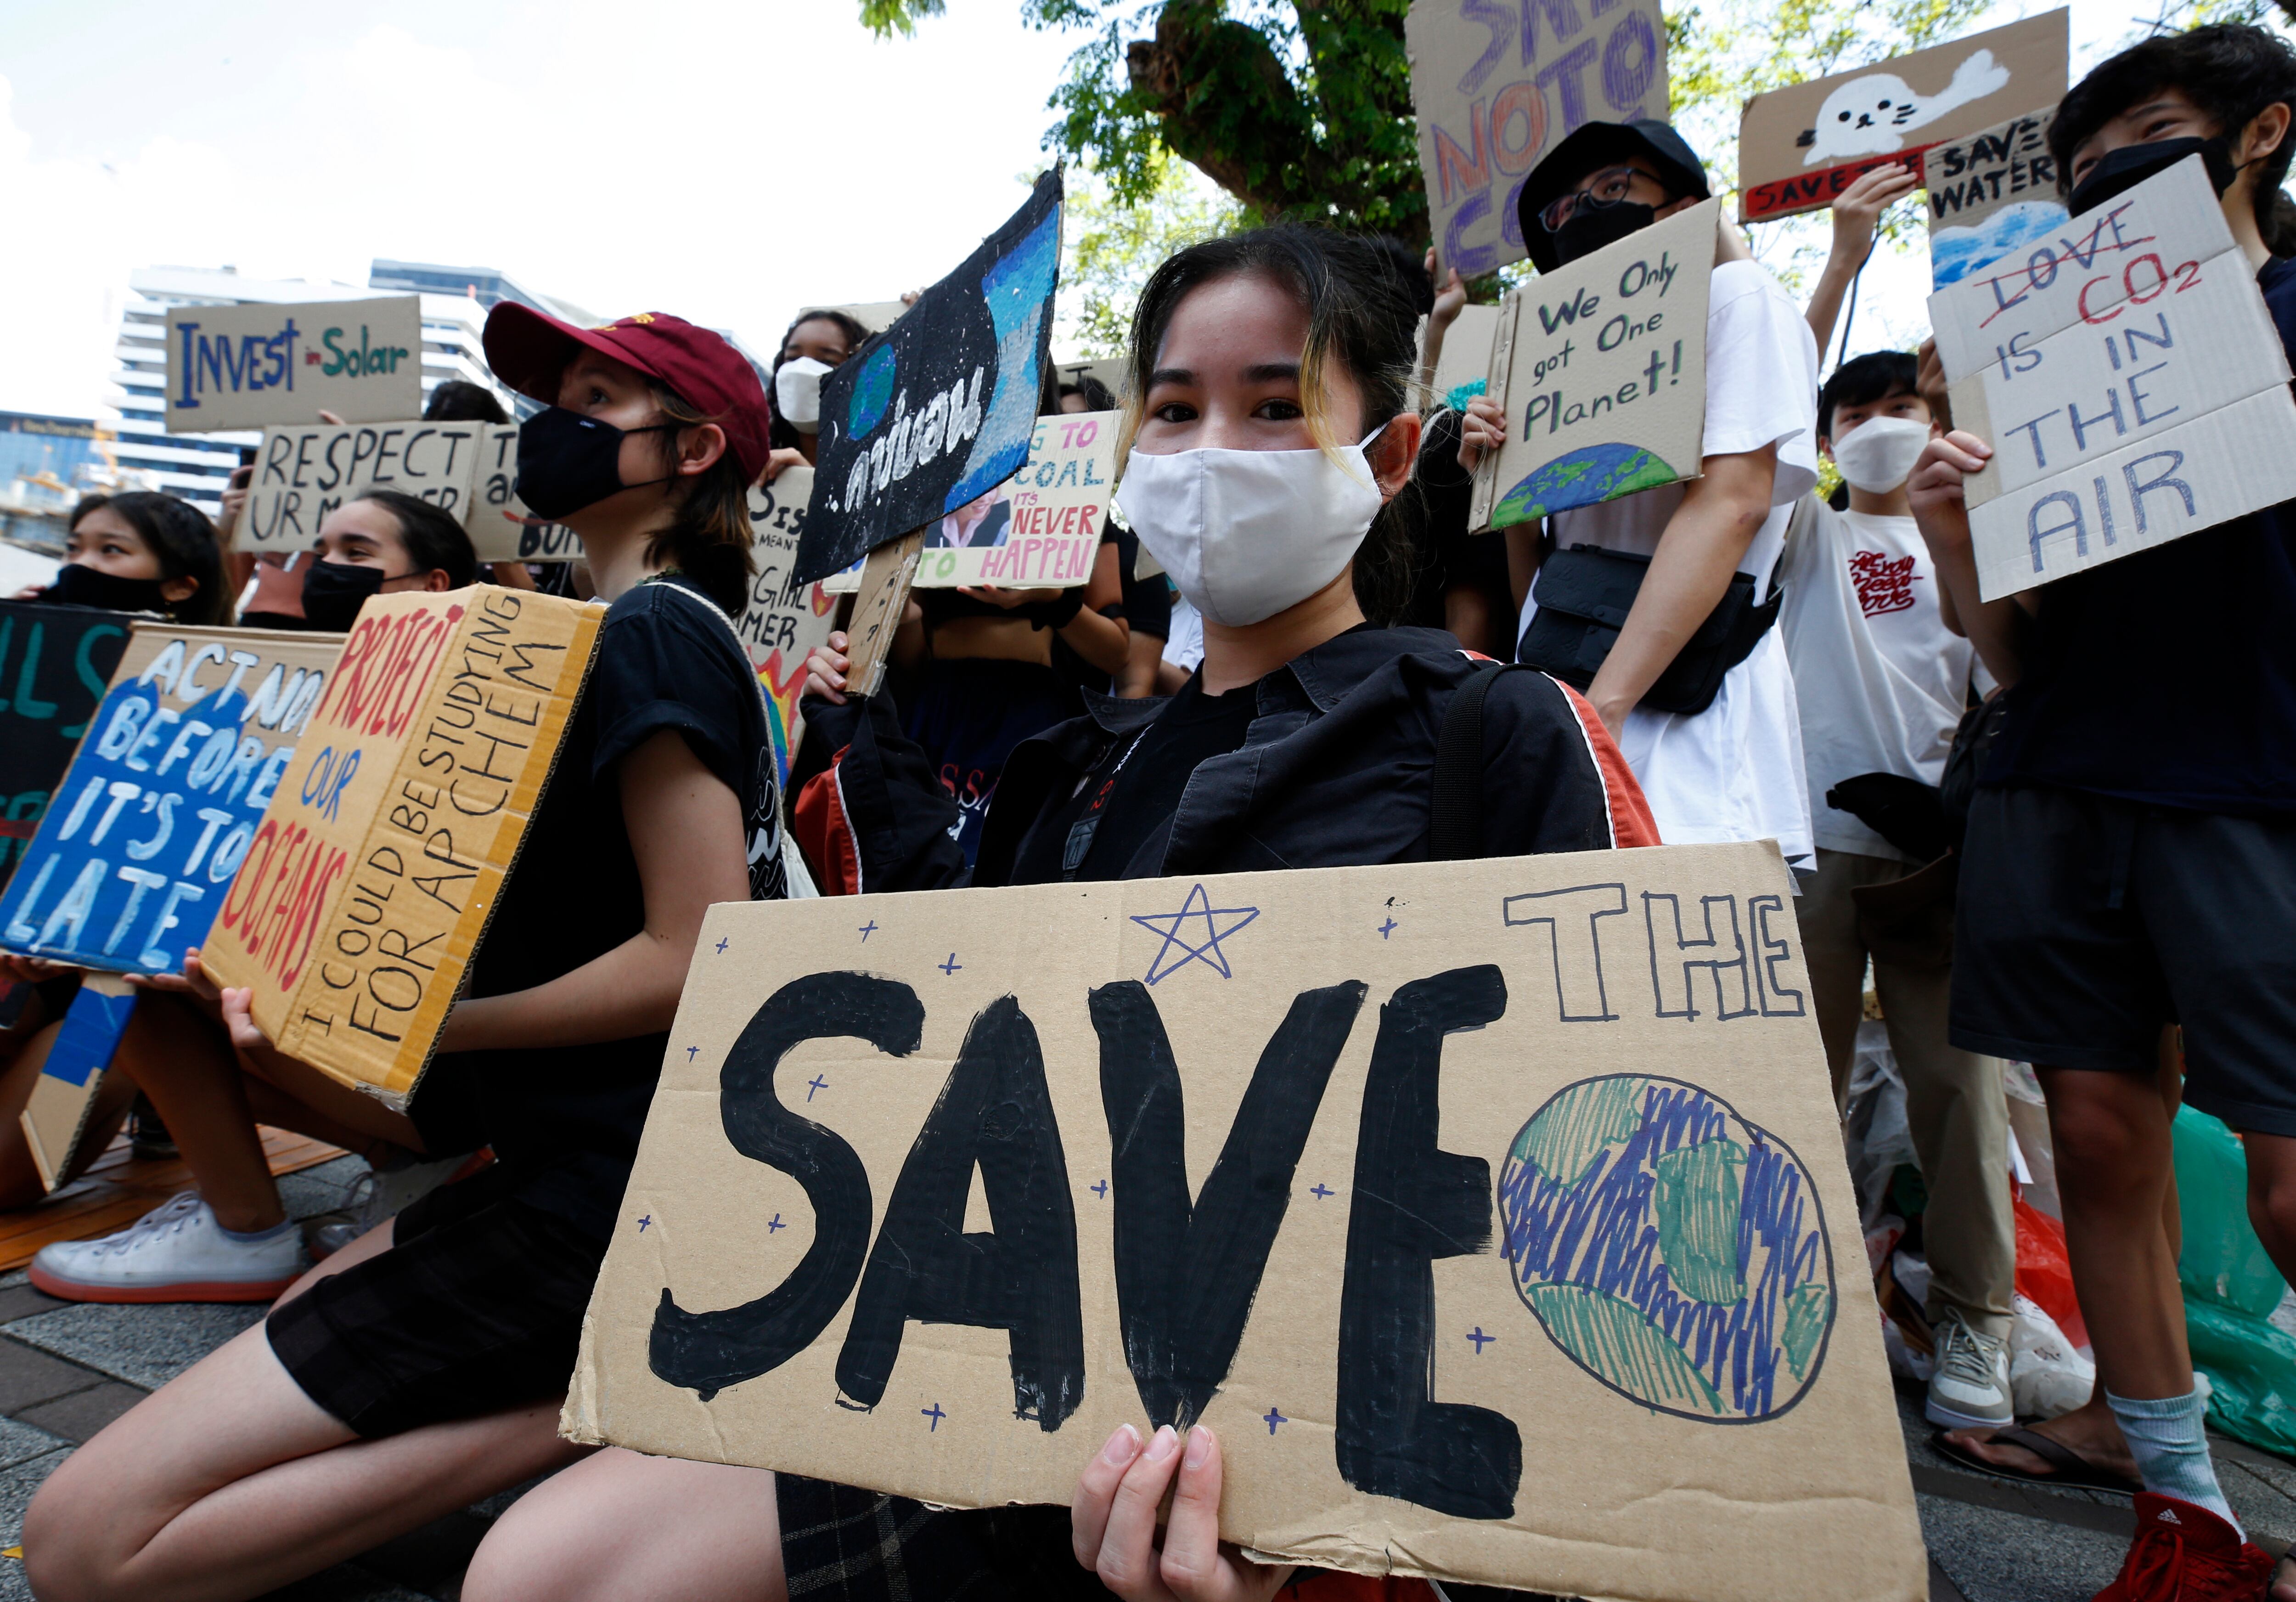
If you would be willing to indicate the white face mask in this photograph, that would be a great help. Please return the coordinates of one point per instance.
(1879, 454)
(1247, 533)
(797, 393)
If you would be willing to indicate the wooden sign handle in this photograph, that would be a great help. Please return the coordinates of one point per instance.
(877, 608)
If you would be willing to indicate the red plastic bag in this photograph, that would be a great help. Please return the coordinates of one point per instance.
(2044, 1274)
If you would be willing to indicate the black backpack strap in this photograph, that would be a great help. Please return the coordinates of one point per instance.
(1454, 830)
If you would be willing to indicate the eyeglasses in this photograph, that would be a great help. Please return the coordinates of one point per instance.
(1605, 189)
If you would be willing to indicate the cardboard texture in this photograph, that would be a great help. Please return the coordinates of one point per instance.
(1600, 367)
(878, 604)
(162, 800)
(1495, 89)
(54, 1119)
(54, 662)
(1800, 146)
(1493, 1213)
(1040, 528)
(875, 316)
(2131, 383)
(941, 406)
(305, 471)
(1990, 196)
(248, 367)
(1463, 366)
(380, 856)
(785, 619)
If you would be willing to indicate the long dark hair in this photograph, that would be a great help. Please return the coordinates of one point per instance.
(781, 435)
(434, 541)
(710, 532)
(1364, 297)
(181, 536)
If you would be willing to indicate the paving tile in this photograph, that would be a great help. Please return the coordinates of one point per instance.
(30, 1377)
(76, 1418)
(1994, 1558)
(17, 1485)
(20, 1442)
(320, 1189)
(21, 1301)
(145, 1345)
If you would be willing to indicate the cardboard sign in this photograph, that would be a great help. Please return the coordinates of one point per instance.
(1040, 528)
(304, 472)
(1496, 87)
(2130, 381)
(382, 854)
(785, 619)
(54, 1119)
(940, 407)
(875, 316)
(1601, 368)
(54, 662)
(160, 803)
(1462, 366)
(1800, 147)
(244, 366)
(1990, 196)
(1484, 1210)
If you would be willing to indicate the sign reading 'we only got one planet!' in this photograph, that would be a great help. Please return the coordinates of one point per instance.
(249, 366)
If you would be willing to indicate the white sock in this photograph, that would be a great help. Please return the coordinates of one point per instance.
(2168, 1438)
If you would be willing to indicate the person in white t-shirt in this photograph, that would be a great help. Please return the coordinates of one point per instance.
(1883, 674)
(1733, 771)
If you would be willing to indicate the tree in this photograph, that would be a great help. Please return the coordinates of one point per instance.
(1113, 244)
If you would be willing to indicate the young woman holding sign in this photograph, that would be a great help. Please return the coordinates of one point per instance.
(420, 1367)
(1273, 372)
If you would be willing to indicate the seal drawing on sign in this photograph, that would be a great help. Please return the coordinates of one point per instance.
(1868, 115)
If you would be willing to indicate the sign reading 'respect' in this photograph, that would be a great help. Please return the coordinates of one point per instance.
(2130, 378)
(1492, 1214)
(244, 366)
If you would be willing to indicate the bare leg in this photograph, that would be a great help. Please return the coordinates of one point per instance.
(625, 1528)
(184, 1061)
(229, 1482)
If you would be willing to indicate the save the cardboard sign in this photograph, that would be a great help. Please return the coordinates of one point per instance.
(54, 664)
(1800, 146)
(381, 855)
(161, 805)
(784, 620)
(1990, 196)
(2130, 379)
(245, 366)
(1040, 528)
(1492, 1214)
(1495, 89)
(1600, 367)
(941, 406)
(305, 471)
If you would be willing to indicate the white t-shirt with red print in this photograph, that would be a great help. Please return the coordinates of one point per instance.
(1879, 679)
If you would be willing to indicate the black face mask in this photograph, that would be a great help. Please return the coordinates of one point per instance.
(334, 591)
(567, 462)
(2117, 171)
(79, 584)
(1590, 227)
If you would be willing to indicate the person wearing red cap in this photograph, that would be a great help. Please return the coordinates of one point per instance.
(421, 1367)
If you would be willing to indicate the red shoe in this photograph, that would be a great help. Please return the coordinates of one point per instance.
(2184, 1553)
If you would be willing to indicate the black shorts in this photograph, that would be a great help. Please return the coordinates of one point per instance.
(2086, 924)
(477, 1307)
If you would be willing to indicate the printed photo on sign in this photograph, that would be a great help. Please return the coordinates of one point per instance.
(1496, 87)
(1601, 366)
(1800, 147)
(932, 412)
(2129, 379)
(1430, 1187)
(1990, 196)
(247, 366)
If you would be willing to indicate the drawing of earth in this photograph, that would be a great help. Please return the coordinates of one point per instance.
(1585, 477)
(1676, 1251)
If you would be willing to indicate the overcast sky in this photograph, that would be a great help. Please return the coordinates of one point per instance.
(724, 160)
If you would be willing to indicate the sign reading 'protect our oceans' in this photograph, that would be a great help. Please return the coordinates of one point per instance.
(245, 366)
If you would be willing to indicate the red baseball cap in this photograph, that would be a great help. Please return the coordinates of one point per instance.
(528, 351)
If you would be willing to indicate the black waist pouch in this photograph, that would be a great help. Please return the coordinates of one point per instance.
(1584, 596)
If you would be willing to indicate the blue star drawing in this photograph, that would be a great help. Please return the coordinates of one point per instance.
(1174, 926)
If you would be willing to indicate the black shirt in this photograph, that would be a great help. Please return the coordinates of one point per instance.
(2168, 677)
(1137, 786)
(1447, 556)
(565, 1120)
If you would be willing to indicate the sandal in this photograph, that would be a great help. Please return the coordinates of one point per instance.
(2066, 1466)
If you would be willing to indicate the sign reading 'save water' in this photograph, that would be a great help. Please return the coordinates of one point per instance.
(244, 366)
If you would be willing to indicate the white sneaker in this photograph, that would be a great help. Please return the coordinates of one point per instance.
(174, 1253)
(382, 1194)
(1971, 1387)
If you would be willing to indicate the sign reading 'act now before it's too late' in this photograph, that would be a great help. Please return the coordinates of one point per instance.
(1492, 1214)
(2130, 379)
(244, 367)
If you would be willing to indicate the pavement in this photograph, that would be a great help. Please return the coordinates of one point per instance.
(66, 1370)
